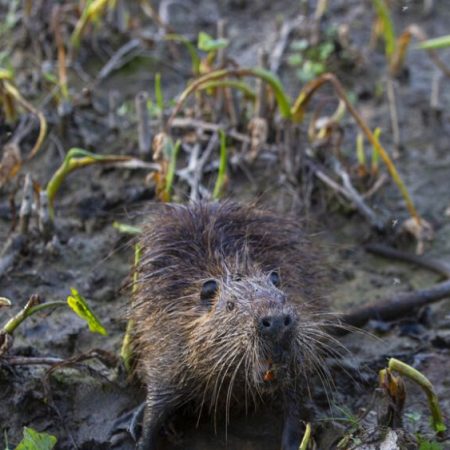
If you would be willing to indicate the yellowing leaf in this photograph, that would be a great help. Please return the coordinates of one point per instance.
(79, 305)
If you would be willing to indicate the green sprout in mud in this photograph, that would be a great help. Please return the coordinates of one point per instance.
(208, 44)
(361, 154)
(157, 106)
(306, 438)
(92, 13)
(397, 47)
(310, 61)
(387, 26)
(11, 99)
(33, 440)
(211, 46)
(76, 302)
(126, 351)
(221, 177)
(76, 158)
(437, 421)
(172, 156)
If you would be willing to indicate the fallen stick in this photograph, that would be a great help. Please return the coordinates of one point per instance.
(32, 360)
(348, 192)
(396, 306)
(121, 57)
(434, 265)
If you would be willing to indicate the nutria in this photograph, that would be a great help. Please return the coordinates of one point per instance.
(227, 312)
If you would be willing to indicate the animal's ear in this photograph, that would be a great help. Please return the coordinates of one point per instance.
(274, 278)
(208, 292)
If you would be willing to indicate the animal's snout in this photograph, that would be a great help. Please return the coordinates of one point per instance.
(276, 325)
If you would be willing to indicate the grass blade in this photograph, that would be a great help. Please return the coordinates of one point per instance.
(221, 177)
(170, 176)
(384, 16)
(436, 43)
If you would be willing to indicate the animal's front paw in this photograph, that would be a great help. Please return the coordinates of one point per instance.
(126, 426)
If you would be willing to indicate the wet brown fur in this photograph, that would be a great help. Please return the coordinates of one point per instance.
(211, 355)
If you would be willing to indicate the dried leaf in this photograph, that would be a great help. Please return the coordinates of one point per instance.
(421, 230)
(10, 164)
(259, 131)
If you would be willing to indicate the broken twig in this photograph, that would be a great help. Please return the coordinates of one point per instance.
(397, 306)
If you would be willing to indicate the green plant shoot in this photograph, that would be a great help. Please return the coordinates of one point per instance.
(221, 177)
(159, 94)
(126, 349)
(32, 440)
(437, 420)
(208, 44)
(91, 13)
(75, 159)
(170, 176)
(375, 154)
(435, 44)
(384, 16)
(79, 305)
(126, 228)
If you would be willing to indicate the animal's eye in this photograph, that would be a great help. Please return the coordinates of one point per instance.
(209, 290)
(274, 278)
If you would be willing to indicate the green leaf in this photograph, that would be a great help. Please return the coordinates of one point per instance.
(80, 307)
(426, 445)
(385, 18)
(295, 60)
(208, 44)
(325, 50)
(32, 440)
(299, 45)
(433, 44)
(126, 228)
(310, 70)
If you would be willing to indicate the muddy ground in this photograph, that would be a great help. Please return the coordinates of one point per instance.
(78, 404)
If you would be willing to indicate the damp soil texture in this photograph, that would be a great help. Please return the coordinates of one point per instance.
(58, 377)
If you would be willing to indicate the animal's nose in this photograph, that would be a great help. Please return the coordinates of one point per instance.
(275, 324)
